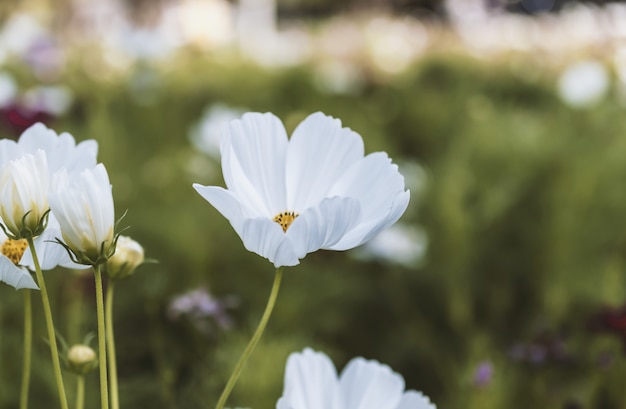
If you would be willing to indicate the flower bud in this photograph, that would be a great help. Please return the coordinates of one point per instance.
(81, 359)
(127, 257)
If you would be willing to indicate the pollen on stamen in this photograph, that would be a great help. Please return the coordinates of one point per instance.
(285, 219)
(14, 249)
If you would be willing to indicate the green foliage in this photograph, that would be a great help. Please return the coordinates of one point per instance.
(523, 206)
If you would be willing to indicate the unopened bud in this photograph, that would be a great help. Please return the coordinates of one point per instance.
(81, 359)
(127, 257)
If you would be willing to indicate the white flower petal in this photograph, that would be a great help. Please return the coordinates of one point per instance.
(224, 202)
(37, 136)
(368, 229)
(370, 385)
(284, 404)
(378, 186)
(414, 400)
(310, 382)
(324, 225)
(319, 152)
(49, 253)
(9, 150)
(61, 150)
(266, 238)
(253, 161)
(15, 276)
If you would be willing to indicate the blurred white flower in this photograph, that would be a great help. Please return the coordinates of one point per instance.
(311, 382)
(20, 32)
(205, 135)
(583, 83)
(24, 195)
(398, 244)
(287, 198)
(394, 44)
(8, 89)
(83, 205)
(54, 100)
(338, 77)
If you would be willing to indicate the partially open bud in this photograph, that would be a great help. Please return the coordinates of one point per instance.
(81, 359)
(127, 257)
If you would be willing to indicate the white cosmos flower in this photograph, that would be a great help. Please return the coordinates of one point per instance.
(289, 197)
(83, 204)
(311, 382)
(16, 256)
(24, 193)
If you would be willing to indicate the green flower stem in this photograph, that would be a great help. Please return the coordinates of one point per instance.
(102, 353)
(80, 392)
(253, 341)
(28, 346)
(115, 401)
(54, 351)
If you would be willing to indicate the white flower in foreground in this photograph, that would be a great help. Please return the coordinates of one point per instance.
(24, 195)
(16, 256)
(311, 382)
(287, 198)
(83, 205)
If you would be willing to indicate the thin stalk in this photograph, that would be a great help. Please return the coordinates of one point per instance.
(115, 401)
(28, 347)
(80, 392)
(104, 390)
(54, 351)
(253, 341)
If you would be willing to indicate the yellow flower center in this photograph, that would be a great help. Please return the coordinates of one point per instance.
(14, 249)
(285, 219)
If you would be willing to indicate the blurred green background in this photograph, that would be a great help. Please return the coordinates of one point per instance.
(518, 300)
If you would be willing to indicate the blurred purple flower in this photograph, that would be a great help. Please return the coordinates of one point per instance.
(201, 309)
(543, 349)
(45, 57)
(483, 374)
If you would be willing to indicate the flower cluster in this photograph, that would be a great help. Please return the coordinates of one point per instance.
(52, 188)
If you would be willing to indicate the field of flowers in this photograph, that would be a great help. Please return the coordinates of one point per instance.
(503, 285)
